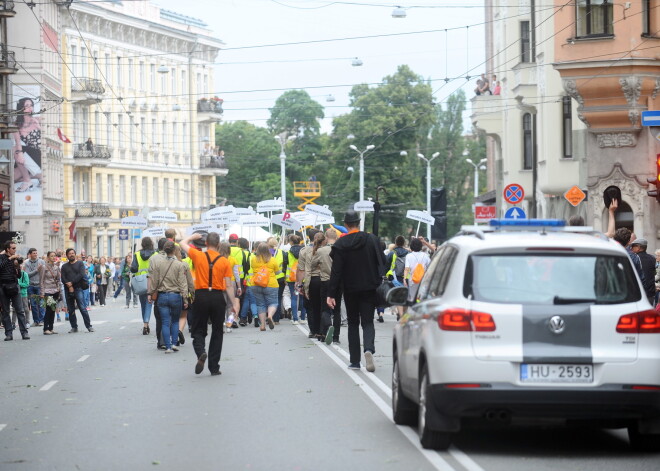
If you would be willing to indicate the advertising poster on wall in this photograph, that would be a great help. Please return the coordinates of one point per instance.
(26, 154)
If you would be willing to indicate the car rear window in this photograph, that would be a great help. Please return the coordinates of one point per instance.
(551, 279)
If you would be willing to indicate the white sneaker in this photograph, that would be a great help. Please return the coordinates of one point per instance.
(175, 348)
(169, 351)
(295, 323)
(303, 321)
(369, 361)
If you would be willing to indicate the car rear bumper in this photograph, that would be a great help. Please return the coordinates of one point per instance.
(607, 402)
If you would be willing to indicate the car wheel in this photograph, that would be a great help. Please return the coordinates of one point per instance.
(643, 441)
(429, 438)
(404, 411)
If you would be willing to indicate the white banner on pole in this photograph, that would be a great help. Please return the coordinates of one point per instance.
(162, 216)
(218, 214)
(317, 210)
(364, 206)
(270, 206)
(204, 227)
(154, 232)
(244, 211)
(135, 222)
(420, 216)
(254, 220)
(287, 221)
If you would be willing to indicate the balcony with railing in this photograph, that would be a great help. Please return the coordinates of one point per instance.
(7, 61)
(7, 9)
(85, 155)
(86, 90)
(93, 210)
(210, 165)
(209, 111)
(7, 120)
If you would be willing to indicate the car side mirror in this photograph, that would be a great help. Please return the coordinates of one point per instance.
(397, 296)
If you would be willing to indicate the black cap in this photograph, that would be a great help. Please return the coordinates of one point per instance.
(200, 243)
(610, 193)
(351, 216)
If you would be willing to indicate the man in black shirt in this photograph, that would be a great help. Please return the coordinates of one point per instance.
(10, 292)
(648, 266)
(74, 278)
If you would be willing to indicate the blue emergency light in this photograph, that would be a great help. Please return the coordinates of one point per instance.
(529, 223)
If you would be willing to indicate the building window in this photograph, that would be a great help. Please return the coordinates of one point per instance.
(108, 69)
(651, 18)
(567, 126)
(131, 82)
(152, 77)
(166, 192)
(528, 141)
(120, 82)
(111, 190)
(594, 18)
(99, 188)
(122, 190)
(173, 76)
(525, 42)
(145, 191)
(133, 191)
(111, 245)
(154, 190)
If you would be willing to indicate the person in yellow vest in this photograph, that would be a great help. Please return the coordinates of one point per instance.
(237, 254)
(265, 269)
(291, 273)
(140, 266)
(278, 255)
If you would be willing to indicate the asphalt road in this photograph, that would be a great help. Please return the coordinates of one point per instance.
(110, 400)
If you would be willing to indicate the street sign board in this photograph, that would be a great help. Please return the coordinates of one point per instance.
(575, 195)
(514, 193)
(366, 206)
(651, 118)
(484, 213)
(420, 216)
(515, 213)
(270, 205)
(123, 234)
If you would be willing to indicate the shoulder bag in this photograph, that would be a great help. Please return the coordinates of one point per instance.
(154, 294)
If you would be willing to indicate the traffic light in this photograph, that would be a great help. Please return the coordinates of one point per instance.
(4, 211)
(655, 193)
(439, 212)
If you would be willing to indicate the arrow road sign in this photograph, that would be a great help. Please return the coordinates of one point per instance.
(514, 193)
(515, 213)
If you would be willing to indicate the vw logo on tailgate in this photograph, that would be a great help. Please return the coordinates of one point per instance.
(556, 325)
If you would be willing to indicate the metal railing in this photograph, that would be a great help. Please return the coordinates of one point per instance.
(81, 151)
(7, 58)
(212, 161)
(93, 210)
(7, 6)
(209, 106)
(85, 84)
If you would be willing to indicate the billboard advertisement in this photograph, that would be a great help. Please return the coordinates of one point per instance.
(27, 192)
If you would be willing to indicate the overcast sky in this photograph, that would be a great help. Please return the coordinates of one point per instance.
(251, 79)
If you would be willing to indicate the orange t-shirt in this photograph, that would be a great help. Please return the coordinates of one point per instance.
(221, 269)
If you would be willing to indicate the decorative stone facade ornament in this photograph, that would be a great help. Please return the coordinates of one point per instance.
(618, 139)
(632, 88)
(634, 115)
(571, 88)
(656, 89)
(632, 191)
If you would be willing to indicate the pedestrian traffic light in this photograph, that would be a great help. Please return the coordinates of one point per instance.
(4, 211)
(655, 193)
(439, 212)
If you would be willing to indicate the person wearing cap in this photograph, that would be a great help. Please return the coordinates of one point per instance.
(212, 279)
(648, 266)
(358, 265)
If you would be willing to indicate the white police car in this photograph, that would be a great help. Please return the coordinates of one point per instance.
(514, 323)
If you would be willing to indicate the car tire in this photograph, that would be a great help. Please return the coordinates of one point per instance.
(404, 411)
(429, 438)
(648, 442)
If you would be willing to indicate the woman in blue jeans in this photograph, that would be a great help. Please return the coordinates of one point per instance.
(168, 286)
(264, 269)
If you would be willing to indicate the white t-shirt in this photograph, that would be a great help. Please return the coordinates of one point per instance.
(415, 258)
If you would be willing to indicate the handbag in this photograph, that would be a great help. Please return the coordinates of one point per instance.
(154, 294)
(139, 284)
(381, 293)
(261, 277)
(10, 289)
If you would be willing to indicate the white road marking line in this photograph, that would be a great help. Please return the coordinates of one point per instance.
(100, 322)
(48, 385)
(122, 327)
(467, 462)
(83, 358)
(134, 321)
(107, 339)
(432, 456)
(2, 426)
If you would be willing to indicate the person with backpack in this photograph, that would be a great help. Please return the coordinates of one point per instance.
(265, 269)
(291, 276)
(140, 266)
(396, 261)
(416, 264)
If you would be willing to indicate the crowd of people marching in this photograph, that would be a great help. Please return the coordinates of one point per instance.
(325, 279)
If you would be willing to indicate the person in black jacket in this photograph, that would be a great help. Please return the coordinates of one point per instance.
(74, 279)
(359, 265)
(10, 292)
(648, 266)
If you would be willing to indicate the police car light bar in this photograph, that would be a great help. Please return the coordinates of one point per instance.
(528, 223)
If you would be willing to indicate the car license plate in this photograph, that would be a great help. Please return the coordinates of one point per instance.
(550, 373)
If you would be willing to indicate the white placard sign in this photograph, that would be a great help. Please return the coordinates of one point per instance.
(218, 214)
(155, 232)
(317, 210)
(366, 206)
(270, 205)
(244, 211)
(202, 227)
(305, 219)
(162, 216)
(324, 220)
(137, 222)
(254, 220)
(420, 216)
(287, 221)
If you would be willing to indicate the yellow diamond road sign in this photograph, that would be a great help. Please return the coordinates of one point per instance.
(575, 196)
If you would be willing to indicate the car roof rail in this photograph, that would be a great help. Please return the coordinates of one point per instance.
(477, 231)
(526, 226)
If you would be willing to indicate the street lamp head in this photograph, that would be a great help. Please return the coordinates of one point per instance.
(421, 156)
(403, 153)
(398, 12)
(278, 138)
(370, 146)
(483, 167)
(435, 154)
(291, 138)
(468, 160)
(350, 137)
(350, 169)
(352, 146)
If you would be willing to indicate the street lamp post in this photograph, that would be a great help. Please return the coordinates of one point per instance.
(428, 187)
(283, 166)
(369, 147)
(476, 174)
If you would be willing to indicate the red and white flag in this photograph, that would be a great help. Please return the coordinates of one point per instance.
(72, 231)
(63, 137)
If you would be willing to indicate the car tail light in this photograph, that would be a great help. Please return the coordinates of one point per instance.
(645, 322)
(645, 388)
(464, 385)
(464, 320)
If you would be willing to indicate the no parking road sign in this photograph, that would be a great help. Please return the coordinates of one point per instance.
(514, 193)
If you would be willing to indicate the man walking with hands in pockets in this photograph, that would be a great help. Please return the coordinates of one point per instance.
(212, 279)
(358, 264)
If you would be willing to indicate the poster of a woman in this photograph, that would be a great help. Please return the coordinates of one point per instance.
(27, 149)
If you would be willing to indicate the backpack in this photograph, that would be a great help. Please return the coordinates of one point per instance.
(418, 273)
(261, 277)
(246, 264)
(399, 266)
